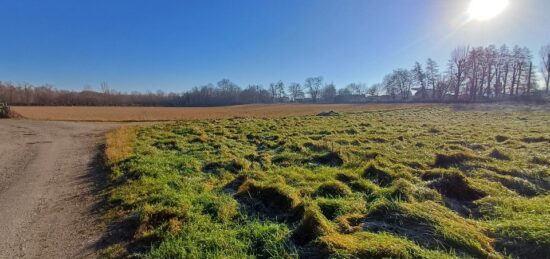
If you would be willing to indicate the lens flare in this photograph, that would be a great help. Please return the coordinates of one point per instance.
(483, 10)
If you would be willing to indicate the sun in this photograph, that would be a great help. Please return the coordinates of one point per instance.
(483, 10)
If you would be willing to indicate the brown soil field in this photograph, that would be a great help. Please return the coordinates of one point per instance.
(129, 114)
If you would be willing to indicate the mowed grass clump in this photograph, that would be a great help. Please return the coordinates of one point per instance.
(410, 183)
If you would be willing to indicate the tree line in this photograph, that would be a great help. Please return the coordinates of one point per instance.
(225, 92)
(471, 74)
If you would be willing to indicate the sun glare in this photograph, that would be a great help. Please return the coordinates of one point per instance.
(483, 10)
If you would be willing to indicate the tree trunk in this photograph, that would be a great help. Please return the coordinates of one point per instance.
(489, 80)
(513, 81)
(518, 79)
(548, 73)
(505, 81)
(482, 84)
(433, 89)
(496, 86)
(529, 78)
(457, 88)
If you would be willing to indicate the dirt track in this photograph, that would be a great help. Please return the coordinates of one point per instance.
(48, 181)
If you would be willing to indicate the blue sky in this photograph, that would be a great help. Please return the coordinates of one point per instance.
(175, 45)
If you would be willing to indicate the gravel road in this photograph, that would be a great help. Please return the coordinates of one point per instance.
(49, 178)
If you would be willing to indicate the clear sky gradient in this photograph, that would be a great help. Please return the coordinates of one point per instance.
(175, 45)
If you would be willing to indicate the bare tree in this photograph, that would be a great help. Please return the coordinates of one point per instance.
(329, 93)
(432, 75)
(355, 88)
(404, 80)
(295, 91)
(530, 77)
(344, 91)
(227, 93)
(518, 67)
(273, 91)
(420, 78)
(501, 71)
(480, 72)
(490, 64)
(374, 89)
(390, 86)
(277, 91)
(545, 66)
(27, 88)
(280, 90)
(399, 83)
(458, 66)
(252, 94)
(105, 87)
(313, 84)
(474, 68)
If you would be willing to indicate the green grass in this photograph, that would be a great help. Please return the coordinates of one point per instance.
(414, 183)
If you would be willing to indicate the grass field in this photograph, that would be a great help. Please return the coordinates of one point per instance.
(188, 113)
(424, 182)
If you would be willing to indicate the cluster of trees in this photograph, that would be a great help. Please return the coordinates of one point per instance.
(471, 74)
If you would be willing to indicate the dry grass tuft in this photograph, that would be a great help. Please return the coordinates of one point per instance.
(119, 144)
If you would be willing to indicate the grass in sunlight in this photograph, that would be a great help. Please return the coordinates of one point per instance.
(423, 182)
